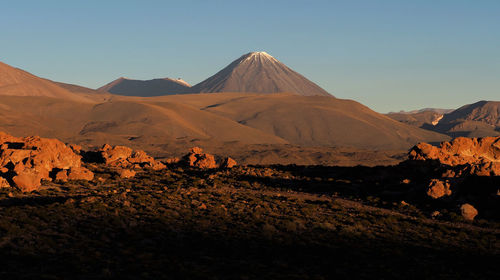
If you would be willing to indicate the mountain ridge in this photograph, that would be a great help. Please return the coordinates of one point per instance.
(146, 88)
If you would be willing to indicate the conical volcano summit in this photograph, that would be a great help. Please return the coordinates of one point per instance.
(259, 72)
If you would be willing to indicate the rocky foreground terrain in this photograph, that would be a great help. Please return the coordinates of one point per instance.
(119, 213)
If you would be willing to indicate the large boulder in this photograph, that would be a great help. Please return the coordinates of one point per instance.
(468, 211)
(196, 158)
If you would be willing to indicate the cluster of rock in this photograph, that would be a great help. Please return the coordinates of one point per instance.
(125, 157)
(25, 162)
(463, 156)
(126, 160)
(198, 159)
(458, 165)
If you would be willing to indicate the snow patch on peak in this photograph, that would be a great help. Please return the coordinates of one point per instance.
(258, 55)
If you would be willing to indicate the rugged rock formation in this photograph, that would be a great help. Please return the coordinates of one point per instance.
(465, 169)
(470, 156)
(25, 162)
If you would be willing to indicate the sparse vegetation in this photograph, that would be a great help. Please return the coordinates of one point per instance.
(246, 222)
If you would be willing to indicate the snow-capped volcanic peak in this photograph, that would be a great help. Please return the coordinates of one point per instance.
(258, 56)
(259, 72)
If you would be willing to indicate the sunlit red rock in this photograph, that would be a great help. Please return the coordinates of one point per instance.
(4, 183)
(29, 160)
(80, 173)
(125, 157)
(196, 158)
(438, 188)
(473, 156)
(126, 173)
(228, 163)
(468, 211)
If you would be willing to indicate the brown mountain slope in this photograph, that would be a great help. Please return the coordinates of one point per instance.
(119, 122)
(16, 82)
(312, 121)
(155, 87)
(261, 73)
(479, 119)
(77, 89)
(168, 126)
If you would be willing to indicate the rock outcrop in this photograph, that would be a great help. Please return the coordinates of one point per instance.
(465, 156)
(25, 162)
(465, 169)
(125, 157)
(196, 158)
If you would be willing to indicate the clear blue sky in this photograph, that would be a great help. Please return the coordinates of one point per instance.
(388, 55)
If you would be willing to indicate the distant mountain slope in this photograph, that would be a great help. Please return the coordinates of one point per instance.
(16, 82)
(258, 72)
(312, 121)
(436, 110)
(479, 119)
(423, 118)
(155, 87)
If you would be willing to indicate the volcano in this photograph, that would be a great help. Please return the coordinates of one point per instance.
(259, 72)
